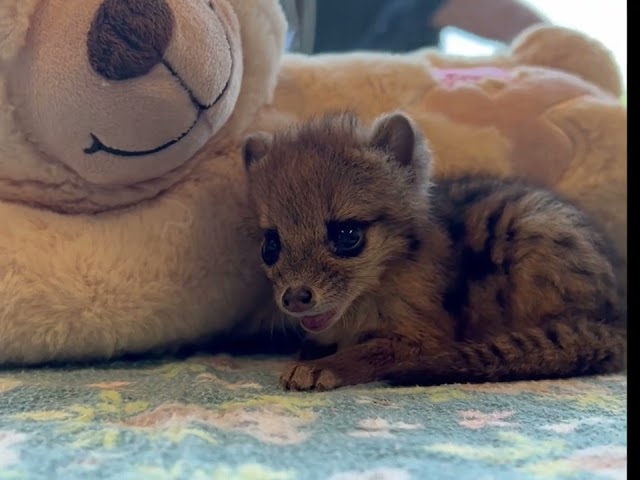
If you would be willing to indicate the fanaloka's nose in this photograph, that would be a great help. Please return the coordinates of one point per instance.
(129, 37)
(298, 300)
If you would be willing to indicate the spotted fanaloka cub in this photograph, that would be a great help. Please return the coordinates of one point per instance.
(464, 280)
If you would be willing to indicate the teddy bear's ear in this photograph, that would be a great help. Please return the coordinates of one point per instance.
(256, 146)
(15, 16)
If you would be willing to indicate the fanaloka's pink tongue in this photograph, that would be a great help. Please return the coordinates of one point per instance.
(317, 323)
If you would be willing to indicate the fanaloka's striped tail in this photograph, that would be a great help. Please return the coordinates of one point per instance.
(558, 350)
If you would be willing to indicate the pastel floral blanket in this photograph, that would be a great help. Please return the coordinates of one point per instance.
(222, 417)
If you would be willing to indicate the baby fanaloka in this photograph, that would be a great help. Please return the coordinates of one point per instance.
(416, 281)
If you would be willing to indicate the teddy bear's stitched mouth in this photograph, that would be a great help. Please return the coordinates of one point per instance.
(98, 146)
(194, 100)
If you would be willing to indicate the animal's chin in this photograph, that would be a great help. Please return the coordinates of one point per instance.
(319, 322)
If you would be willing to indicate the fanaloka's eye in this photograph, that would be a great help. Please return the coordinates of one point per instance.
(271, 247)
(346, 238)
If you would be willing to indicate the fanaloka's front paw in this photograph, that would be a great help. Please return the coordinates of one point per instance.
(309, 376)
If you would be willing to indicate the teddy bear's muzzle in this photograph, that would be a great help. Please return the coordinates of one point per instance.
(125, 92)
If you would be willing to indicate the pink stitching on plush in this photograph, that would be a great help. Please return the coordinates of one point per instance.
(451, 77)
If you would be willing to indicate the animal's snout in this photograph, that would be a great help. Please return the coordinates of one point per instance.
(129, 37)
(298, 300)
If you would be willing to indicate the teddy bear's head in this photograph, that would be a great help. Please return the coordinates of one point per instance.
(100, 99)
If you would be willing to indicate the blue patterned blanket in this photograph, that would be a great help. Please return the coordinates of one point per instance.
(222, 417)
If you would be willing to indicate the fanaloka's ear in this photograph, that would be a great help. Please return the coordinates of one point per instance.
(395, 134)
(256, 146)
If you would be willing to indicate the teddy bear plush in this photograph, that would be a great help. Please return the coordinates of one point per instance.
(124, 226)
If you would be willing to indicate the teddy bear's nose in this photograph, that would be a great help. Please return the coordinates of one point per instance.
(129, 37)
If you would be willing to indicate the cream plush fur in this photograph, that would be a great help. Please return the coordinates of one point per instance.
(123, 223)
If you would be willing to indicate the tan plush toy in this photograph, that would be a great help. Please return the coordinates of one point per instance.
(123, 222)
(547, 109)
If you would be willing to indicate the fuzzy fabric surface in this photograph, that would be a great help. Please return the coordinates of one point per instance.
(222, 417)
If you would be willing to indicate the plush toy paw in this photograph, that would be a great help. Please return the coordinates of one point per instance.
(310, 376)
